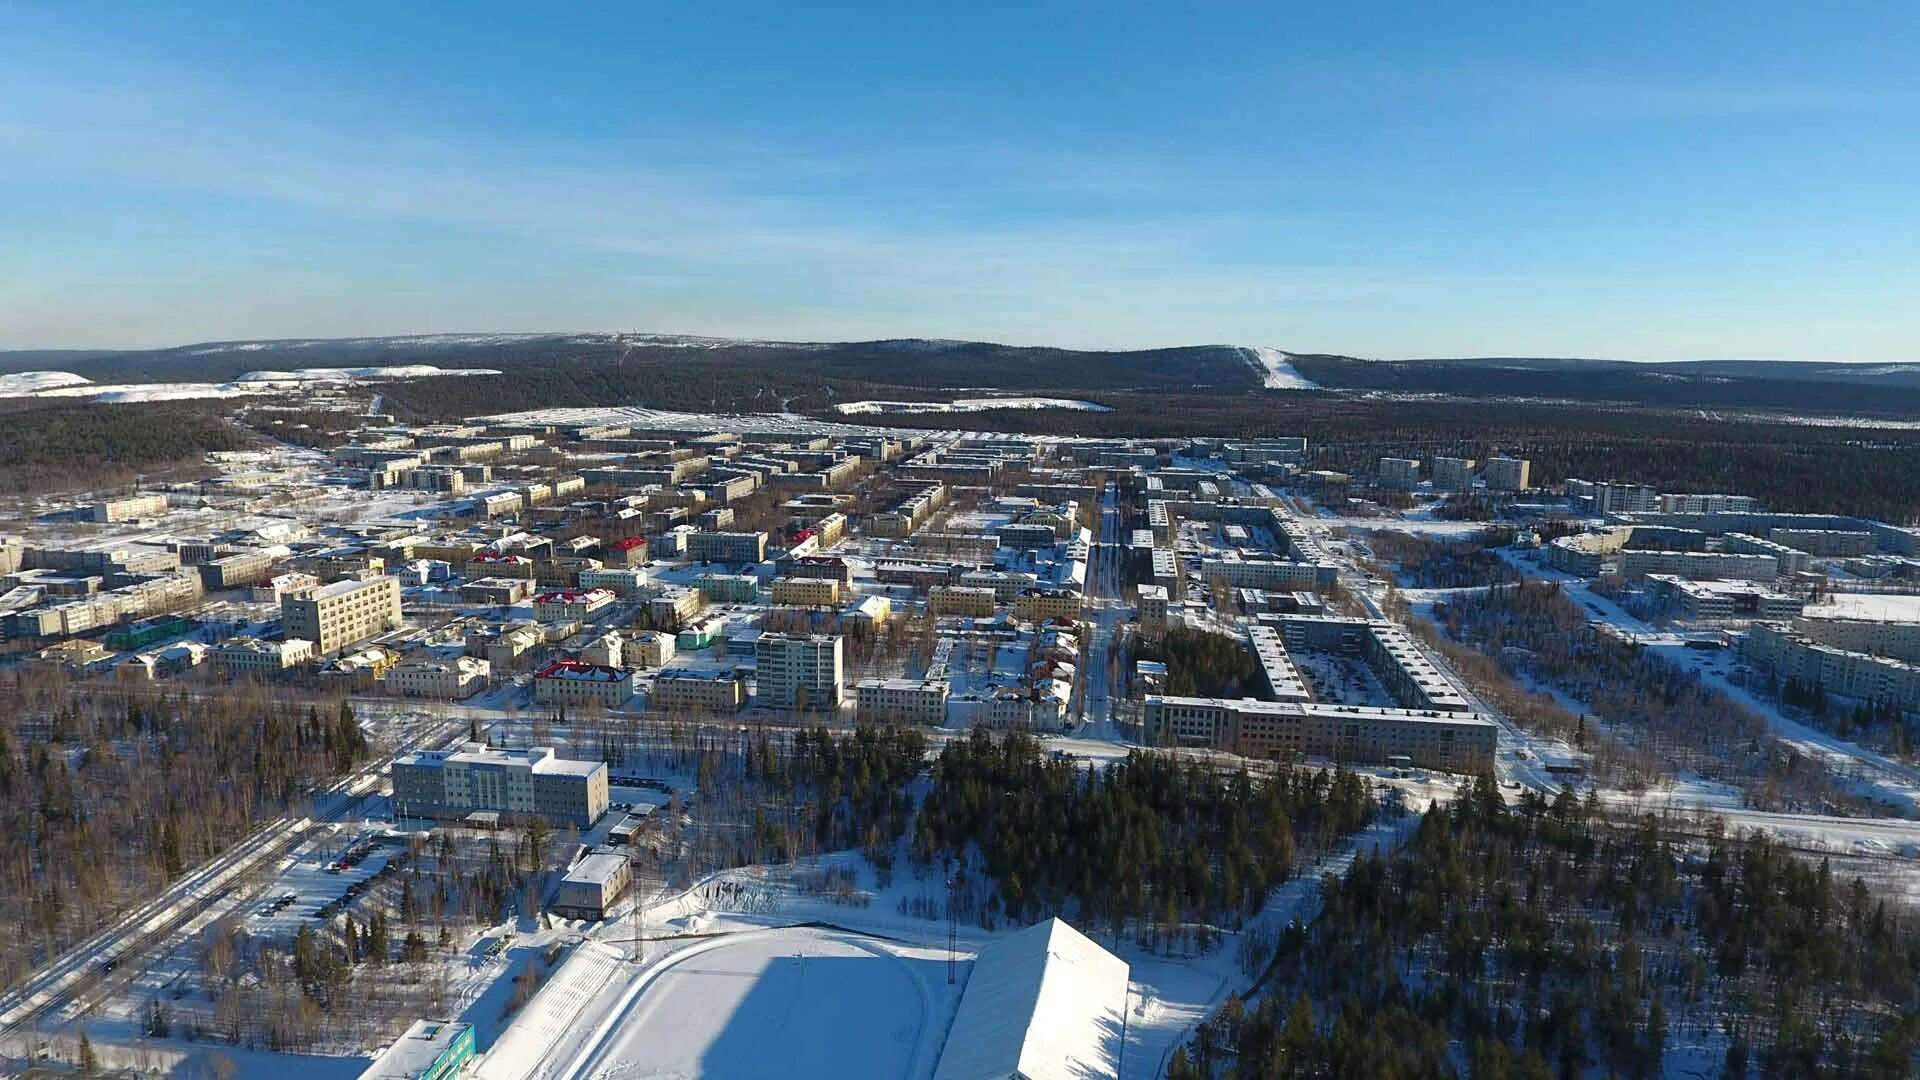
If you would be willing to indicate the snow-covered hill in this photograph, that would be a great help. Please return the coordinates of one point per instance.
(1275, 368)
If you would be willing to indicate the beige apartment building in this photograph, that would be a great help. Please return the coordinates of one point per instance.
(343, 613)
(806, 592)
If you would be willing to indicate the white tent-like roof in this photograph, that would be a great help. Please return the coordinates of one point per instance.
(1045, 1003)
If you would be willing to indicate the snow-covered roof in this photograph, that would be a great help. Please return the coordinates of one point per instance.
(1045, 1003)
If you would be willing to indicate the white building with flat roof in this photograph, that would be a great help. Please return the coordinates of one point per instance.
(523, 783)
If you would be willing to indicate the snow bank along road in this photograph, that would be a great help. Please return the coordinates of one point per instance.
(82, 968)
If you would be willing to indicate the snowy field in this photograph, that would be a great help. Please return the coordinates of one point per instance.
(799, 1002)
(64, 384)
(962, 405)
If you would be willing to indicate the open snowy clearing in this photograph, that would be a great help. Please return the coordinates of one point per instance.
(1276, 369)
(65, 384)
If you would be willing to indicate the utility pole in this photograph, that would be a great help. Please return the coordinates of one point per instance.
(953, 934)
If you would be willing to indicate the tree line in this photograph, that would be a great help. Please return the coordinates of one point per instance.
(1549, 939)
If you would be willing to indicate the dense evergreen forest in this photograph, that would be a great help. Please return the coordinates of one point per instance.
(1155, 845)
(105, 798)
(1536, 634)
(54, 447)
(1423, 563)
(1548, 940)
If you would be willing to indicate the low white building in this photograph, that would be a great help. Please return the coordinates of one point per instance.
(449, 680)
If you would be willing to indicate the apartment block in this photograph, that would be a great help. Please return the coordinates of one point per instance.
(343, 613)
(448, 680)
(571, 605)
(727, 547)
(979, 603)
(648, 649)
(1288, 730)
(685, 690)
(1507, 474)
(1699, 564)
(1402, 473)
(806, 592)
(577, 682)
(252, 656)
(900, 701)
(127, 509)
(1452, 474)
(798, 671)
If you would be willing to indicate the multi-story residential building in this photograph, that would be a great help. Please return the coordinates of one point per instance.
(1607, 497)
(233, 571)
(1706, 601)
(727, 547)
(728, 588)
(1896, 638)
(1699, 564)
(1286, 730)
(504, 591)
(571, 605)
(648, 649)
(516, 783)
(128, 509)
(607, 650)
(979, 603)
(1402, 473)
(448, 680)
(675, 606)
(252, 656)
(1826, 543)
(1283, 679)
(579, 682)
(1153, 610)
(508, 649)
(621, 581)
(798, 671)
(900, 701)
(1282, 574)
(1452, 474)
(1707, 504)
(806, 592)
(1042, 605)
(1507, 474)
(343, 613)
(686, 690)
(1790, 560)
(292, 583)
(1792, 655)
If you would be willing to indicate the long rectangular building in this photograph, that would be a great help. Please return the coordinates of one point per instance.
(1288, 730)
(522, 783)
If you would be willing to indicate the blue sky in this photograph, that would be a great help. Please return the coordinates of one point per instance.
(1643, 181)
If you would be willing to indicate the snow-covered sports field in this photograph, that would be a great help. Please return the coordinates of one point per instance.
(798, 1002)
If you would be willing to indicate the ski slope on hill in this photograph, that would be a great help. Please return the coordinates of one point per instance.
(1275, 368)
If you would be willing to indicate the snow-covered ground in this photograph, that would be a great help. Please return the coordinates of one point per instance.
(1276, 369)
(63, 384)
(33, 382)
(800, 1001)
(1880, 607)
(961, 405)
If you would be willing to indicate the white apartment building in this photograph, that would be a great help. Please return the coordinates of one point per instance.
(343, 613)
(798, 671)
(900, 701)
(521, 783)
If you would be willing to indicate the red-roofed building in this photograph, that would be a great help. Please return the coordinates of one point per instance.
(577, 682)
(629, 553)
(570, 605)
